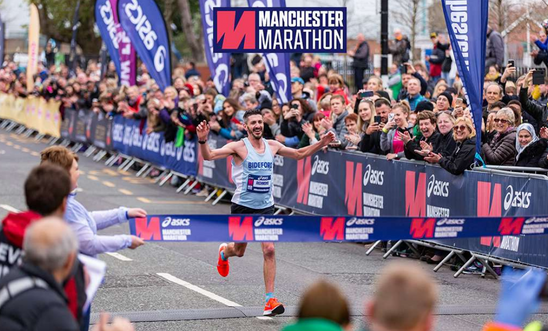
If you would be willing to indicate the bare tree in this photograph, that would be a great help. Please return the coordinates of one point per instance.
(436, 18)
(194, 40)
(407, 14)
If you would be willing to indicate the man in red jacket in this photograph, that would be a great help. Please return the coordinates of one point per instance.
(46, 191)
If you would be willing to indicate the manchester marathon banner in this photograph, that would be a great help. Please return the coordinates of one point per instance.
(283, 228)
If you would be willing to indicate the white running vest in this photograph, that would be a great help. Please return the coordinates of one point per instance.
(253, 178)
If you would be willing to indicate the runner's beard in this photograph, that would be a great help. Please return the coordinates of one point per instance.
(257, 136)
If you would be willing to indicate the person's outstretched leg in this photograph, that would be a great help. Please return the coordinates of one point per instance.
(272, 307)
(226, 251)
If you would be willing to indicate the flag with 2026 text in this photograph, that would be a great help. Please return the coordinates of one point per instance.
(277, 64)
(219, 63)
(467, 25)
(145, 26)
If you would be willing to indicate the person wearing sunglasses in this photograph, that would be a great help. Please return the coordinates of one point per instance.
(463, 155)
(501, 150)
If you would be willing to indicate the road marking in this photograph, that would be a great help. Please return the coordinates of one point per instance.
(26, 150)
(9, 143)
(109, 184)
(16, 146)
(120, 257)
(82, 172)
(126, 192)
(34, 153)
(94, 172)
(175, 202)
(9, 208)
(200, 290)
(92, 177)
(110, 172)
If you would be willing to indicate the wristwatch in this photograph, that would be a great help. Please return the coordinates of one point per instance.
(202, 141)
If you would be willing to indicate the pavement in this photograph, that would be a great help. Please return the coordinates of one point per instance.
(175, 286)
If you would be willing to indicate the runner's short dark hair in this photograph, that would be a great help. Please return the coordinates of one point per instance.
(46, 187)
(251, 113)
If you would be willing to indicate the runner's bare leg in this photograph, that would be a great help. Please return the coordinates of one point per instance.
(269, 267)
(235, 249)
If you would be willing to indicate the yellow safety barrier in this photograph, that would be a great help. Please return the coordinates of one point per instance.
(33, 112)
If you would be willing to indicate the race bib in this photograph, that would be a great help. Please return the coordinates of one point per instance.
(259, 184)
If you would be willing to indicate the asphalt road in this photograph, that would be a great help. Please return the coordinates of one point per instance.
(172, 286)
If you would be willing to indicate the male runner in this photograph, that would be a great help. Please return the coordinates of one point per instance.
(252, 165)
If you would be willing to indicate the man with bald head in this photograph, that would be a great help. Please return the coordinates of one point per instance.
(361, 59)
(399, 48)
(31, 295)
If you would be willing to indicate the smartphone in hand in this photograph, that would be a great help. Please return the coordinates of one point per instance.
(366, 94)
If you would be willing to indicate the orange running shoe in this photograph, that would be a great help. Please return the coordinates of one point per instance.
(222, 266)
(273, 307)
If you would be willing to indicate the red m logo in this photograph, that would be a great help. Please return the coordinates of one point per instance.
(489, 205)
(332, 230)
(303, 180)
(511, 226)
(240, 231)
(148, 230)
(353, 189)
(415, 198)
(421, 228)
(236, 34)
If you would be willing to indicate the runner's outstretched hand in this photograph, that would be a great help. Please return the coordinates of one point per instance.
(202, 130)
(327, 138)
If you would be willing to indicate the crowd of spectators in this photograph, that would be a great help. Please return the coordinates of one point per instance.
(420, 113)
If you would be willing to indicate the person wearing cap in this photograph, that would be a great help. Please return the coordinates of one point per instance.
(437, 57)
(444, 102)
(297, 86)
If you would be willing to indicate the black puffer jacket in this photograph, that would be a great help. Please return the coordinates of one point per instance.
(531, 155)
(446, 144)
(502, 149)
(292, 128)
(36, 309)
(372, 143)
(461, 159)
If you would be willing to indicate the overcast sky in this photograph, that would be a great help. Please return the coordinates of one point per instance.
(363, 15)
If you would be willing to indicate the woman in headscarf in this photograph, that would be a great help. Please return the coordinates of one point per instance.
(530, 148)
